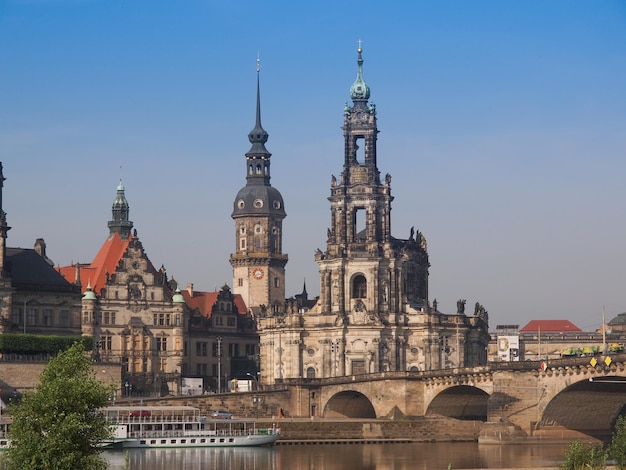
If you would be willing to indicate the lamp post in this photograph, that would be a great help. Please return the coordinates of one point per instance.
(256, 394)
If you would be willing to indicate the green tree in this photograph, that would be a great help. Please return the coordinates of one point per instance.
(617, 447)
(58, 426)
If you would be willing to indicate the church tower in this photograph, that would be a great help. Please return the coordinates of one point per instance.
(258, 262)
(365, 272)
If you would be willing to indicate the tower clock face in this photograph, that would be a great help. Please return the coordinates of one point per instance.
(257, 273)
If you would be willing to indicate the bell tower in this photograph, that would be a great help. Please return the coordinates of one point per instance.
(258, 211)
(364, 270)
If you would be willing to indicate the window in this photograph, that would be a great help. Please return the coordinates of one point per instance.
(242, 243)
(85, 318)
(310, 372)
(240, 282)
(168, 319)
(214, 349)
(106, 343)
(230, 321)
(31, 318)
(201, 348)
(233, 350)
(108, 318)
(219, 320)
(47, 317)
(64, 318)
(177, 319)
(250, 350)
(161, 344)
(17, 316)
(276, 282)
(359, 287)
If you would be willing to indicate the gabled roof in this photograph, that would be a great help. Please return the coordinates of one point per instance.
(204, 302)
(106, 261)
(550, 326)
(29, 268)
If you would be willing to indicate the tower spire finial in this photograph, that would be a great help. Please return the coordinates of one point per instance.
(359, 91)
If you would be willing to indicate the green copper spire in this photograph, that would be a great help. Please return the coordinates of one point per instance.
(359, 91)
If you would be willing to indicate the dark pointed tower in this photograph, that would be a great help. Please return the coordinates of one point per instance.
(121, 211)
(4, 228)
(258, 262)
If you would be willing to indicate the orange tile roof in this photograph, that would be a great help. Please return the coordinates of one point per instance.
(204, 302)
(550, 326)
(106, 261)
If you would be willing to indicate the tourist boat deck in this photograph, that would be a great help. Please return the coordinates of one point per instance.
(182, 426)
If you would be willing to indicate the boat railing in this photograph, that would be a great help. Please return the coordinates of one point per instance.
(217, 432)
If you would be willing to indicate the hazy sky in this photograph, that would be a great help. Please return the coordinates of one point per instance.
(503, 125)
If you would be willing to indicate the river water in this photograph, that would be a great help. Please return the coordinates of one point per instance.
(416, 456)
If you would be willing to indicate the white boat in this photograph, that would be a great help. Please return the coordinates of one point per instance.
(181, 426)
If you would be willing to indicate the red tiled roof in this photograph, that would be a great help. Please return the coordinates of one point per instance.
(550, 326)
(105, 261)
(204, 302)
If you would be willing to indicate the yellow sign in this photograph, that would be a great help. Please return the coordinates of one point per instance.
(593, 362)
(607, 361)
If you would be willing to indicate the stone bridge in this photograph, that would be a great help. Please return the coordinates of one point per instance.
(542, 399)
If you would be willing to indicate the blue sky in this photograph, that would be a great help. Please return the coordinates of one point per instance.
(503, 125)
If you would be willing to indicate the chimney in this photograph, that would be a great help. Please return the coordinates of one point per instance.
(40, 247)
(189, 288)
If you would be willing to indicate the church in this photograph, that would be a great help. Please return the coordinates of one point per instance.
(373, 313)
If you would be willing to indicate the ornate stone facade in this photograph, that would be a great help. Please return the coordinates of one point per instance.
(373, 313)
(131, 310)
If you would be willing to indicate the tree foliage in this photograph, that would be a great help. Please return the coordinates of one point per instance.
(617, 448)
(58, 427)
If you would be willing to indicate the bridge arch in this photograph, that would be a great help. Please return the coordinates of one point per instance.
(460, 402)
(590, 406)
(349, 404)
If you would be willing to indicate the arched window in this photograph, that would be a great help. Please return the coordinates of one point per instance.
(359, 287)
(310, 372)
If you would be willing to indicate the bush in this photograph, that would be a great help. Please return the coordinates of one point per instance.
(617, 448)
(41, 344)
(581, 456)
